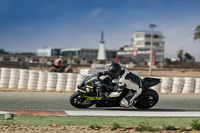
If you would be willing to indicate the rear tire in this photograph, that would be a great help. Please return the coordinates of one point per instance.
(79, 101)
(147, 99)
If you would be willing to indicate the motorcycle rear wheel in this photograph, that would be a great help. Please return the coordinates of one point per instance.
(147, 99)
(79, 101)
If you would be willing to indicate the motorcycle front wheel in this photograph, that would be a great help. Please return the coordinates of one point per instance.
(79, 101)
(147, 99)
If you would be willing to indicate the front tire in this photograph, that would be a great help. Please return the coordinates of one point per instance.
(147, 99)
(79, 101)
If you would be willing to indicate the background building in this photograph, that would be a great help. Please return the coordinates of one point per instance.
(140, 50)
(86, 53)
(142, 43)
(48, 51)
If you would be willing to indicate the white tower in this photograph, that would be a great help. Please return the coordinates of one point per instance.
(101, 52)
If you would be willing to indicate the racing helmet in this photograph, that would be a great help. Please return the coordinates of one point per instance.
(114, 70)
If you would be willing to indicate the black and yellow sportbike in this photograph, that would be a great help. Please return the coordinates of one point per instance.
(91, 89)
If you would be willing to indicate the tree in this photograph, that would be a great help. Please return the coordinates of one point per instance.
(197, 33)
(188, 57)
(180, 55)
(2, 51)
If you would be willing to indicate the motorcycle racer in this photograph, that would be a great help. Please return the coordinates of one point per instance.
(123, 78)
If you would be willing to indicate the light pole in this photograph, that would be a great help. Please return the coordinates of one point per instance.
(151, 26)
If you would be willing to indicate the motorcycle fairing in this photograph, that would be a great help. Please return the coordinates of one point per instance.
(149, 82)
(86, 89)
(93, 98)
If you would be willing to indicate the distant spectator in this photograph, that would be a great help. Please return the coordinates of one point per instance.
(59, 63)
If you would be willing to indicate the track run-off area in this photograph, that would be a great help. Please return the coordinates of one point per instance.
(57, 103)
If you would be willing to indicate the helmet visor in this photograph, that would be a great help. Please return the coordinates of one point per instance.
(113, 75)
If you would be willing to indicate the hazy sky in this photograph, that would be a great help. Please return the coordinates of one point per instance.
(27, 25)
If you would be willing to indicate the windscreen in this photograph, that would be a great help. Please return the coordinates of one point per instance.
(90, 78)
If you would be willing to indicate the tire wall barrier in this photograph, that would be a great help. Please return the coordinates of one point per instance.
(166, 85)
(13, 78)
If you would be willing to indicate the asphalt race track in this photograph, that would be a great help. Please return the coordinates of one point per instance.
(55, 101)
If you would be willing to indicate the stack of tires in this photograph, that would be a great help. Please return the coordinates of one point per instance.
(79, 79)
(14, 78)
(51, 81)
(71, 82)
(61, 81)
(177, 85)
(42, 81)
(4, 79)
(188, 86)
(166, 85)
(197, 85)
(32, 80)
(23, 79)
(157, 87)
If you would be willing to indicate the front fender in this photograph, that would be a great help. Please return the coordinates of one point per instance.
(81, 91)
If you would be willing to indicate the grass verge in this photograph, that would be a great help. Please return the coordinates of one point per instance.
(101, 121)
